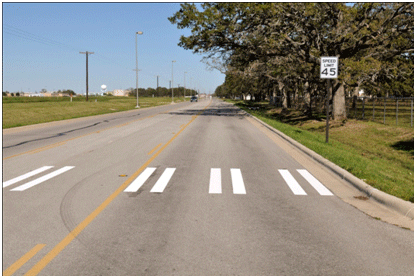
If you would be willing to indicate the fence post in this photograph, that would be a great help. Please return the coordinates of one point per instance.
(397, 110)
(374, 102)
(348, 106)
(384, 115)
(363, 106)
(354, 104)
(411, 112)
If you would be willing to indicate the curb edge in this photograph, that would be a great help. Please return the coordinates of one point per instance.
(403, 207)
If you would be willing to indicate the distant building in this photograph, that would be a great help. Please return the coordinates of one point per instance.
(120, 93)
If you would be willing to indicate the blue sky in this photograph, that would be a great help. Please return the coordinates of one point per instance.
(42, 41)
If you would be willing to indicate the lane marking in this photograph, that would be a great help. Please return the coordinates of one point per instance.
(163, 180)
(315, 183)
(291, 182)
(81, 226)
(215, 181)
(237, 181)
(42, 179)
(137, 183)
(154, 149)
(20, 262)
(25, 176)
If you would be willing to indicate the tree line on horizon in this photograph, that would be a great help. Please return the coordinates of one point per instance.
(273, 50)
(149, 92)
(161, 92)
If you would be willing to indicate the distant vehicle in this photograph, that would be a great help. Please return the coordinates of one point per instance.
(194, 98)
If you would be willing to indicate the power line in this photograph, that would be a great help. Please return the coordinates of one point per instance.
(36, 38)
(14, 31)
(30, 36)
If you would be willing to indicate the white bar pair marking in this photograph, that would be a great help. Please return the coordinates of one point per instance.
(236, 178)
(160, 185)
(38, 180)
(297, 189)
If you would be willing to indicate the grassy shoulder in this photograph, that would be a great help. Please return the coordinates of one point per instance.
(381, 155)
(21, 111)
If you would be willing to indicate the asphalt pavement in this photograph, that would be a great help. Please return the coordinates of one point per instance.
(184, 189)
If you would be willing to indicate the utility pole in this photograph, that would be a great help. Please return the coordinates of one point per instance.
(157, 87)
(86, 54)
(172, 81)
(184, 85)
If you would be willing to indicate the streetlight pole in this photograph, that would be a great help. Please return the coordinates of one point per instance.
(172, 81)
(137, 73)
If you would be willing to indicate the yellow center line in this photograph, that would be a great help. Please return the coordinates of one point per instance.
(154, 149)
(78, 229)
(18, 264)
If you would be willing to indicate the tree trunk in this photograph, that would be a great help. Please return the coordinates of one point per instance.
(282, 96)
(307, 99)
(338, 102)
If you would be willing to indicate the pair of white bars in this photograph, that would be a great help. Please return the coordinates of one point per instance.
(236, 179)
(36, 181)
(297, 189)
(160, 185)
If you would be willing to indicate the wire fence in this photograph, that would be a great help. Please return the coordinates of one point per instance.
(390, 111)
(386, 110)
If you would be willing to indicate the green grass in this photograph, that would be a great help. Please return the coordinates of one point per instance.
(21, 111)
(381, 155)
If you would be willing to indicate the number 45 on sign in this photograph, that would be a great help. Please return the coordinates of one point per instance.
(329, 67)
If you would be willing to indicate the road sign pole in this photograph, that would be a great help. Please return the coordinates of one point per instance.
(329, 70)
(328, 88)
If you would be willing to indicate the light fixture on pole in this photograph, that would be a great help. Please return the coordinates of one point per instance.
(137, 72)
(172, 81)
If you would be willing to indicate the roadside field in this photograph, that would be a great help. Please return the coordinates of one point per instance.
(381, 155)
(21, 111)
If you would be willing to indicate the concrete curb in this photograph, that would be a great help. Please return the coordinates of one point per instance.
(403, 207)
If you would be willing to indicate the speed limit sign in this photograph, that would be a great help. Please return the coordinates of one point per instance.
(329, 67)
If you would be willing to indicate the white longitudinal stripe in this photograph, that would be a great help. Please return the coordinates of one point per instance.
(42, 179)
(237, 181)
(291, 182)
(140, 180)
(315, 183)
(25, 176)
(163, 180)
(215, 181)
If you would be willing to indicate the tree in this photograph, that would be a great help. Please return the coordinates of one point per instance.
(284, 42)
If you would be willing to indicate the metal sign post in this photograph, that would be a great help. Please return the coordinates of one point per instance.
(329, 70)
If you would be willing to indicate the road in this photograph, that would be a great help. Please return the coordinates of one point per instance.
(184, 189)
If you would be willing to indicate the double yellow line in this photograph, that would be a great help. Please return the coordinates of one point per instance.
(75, 232)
